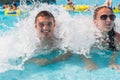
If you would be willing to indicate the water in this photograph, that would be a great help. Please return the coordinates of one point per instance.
(87, 2)
(20, 39)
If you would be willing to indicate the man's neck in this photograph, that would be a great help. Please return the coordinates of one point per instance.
(47, 41)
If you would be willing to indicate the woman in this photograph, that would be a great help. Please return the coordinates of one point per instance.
(110, 39)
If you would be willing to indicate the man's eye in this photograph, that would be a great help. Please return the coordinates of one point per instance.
(41, 24)
(49, 23)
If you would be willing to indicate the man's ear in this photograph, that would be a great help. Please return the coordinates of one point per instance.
(94, 21)
(54, 24)
(35, 25)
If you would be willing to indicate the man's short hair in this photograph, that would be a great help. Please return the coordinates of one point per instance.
(44, 14)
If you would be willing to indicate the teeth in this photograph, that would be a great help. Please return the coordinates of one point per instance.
(45, 31)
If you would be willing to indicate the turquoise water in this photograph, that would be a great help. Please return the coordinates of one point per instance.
(7, 22)
(70, 69)
(87, 2)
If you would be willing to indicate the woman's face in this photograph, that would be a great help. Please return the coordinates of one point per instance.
(104, 20)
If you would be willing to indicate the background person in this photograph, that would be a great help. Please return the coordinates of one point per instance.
(13, 7)
(108, 3)
(70, 4)
(119, 5)
(6, 5)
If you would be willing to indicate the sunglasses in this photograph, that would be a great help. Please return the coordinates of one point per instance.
(42, 24)
(111, 17)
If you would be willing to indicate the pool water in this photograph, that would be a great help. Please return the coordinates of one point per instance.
(87, 2)
(70, 69)
(7, 22)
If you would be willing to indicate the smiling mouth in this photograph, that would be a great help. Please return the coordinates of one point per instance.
(45, 31)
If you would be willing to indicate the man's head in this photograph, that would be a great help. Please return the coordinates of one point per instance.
(44, 24)
(104, 18)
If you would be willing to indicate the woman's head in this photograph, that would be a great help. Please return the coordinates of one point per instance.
(104, 18)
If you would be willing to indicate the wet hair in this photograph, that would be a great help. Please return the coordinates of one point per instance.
(44, 14)
(111, 33)
(99, 8)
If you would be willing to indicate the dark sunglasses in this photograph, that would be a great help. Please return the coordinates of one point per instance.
(104, 17)
(42, 24)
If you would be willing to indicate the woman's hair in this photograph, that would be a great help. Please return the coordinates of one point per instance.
(111, 33)
(44, 14)
(99, 8)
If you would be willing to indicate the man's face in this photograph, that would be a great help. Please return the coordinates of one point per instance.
(104, 20)
(45, 27)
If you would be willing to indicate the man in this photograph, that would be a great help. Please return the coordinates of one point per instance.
(45, 26)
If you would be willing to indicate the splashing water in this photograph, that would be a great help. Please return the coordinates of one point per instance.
(22, 2)
(76, 32)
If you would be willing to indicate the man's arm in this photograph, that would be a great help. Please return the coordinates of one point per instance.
(44, 61)
(61, 57)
